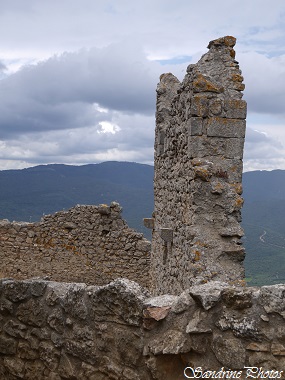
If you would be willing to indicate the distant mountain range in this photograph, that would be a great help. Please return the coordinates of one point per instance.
(264, 225)
(28, 194)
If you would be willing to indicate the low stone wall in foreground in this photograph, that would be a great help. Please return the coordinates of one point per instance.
(54, 331)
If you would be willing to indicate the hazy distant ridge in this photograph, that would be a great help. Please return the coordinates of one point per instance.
(27, 194)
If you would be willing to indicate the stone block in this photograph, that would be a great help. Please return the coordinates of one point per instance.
(198, 324)
(235, 171)
(205, 84)
(104, 210)
(160, 143)
(8, 346)
(230, 169)
(199, 106)
(234, 148)
(182, 303)
(15, 329)
(26, 352)
(238, 86)
(143, 246)
(148, 223)
(237, 298)
(216, 107)
(15, 367)
(31, 313)
(156, 313)
(196, 148)
(217, 187)
(195, 126)
(38, 288)
(161, 137)
(222, 127)
(203, 172)
(229, 41)
(229, 231)
(66, 368)
(229, 352)
(69, 225)
(16, 291)
(6, 306)
(215, 146)
(208, 294)
(172, 342)
(235, 108)
(272, 299)
(259, 347)
(278, 349)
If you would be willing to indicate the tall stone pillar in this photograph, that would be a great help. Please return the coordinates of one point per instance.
(199, 139)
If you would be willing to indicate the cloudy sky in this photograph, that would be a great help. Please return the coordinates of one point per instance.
(78, 77)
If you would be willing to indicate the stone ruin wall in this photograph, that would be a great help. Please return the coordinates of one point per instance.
(54, 331)
(90, 244)
(200, 130)
(59, 330)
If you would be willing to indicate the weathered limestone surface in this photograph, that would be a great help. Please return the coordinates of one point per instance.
(90, 244)
(200, 130)
(53, 331)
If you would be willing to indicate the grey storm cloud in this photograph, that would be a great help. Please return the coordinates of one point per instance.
(98, 103)
(63, 91)
(2, 67)
(264, 79)
(60, 93)
(259, 144)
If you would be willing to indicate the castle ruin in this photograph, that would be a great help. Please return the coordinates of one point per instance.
(210, 326)
(199, 139)
(90, 244)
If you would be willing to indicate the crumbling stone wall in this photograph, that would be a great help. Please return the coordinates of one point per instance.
(53, 331)
(199, 139)
(90, 244)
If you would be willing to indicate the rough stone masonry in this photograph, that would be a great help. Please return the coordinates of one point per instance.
(90, 244)
(66, 331)
(199, 139)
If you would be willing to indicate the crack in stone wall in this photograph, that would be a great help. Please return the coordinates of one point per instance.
(199, 139)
